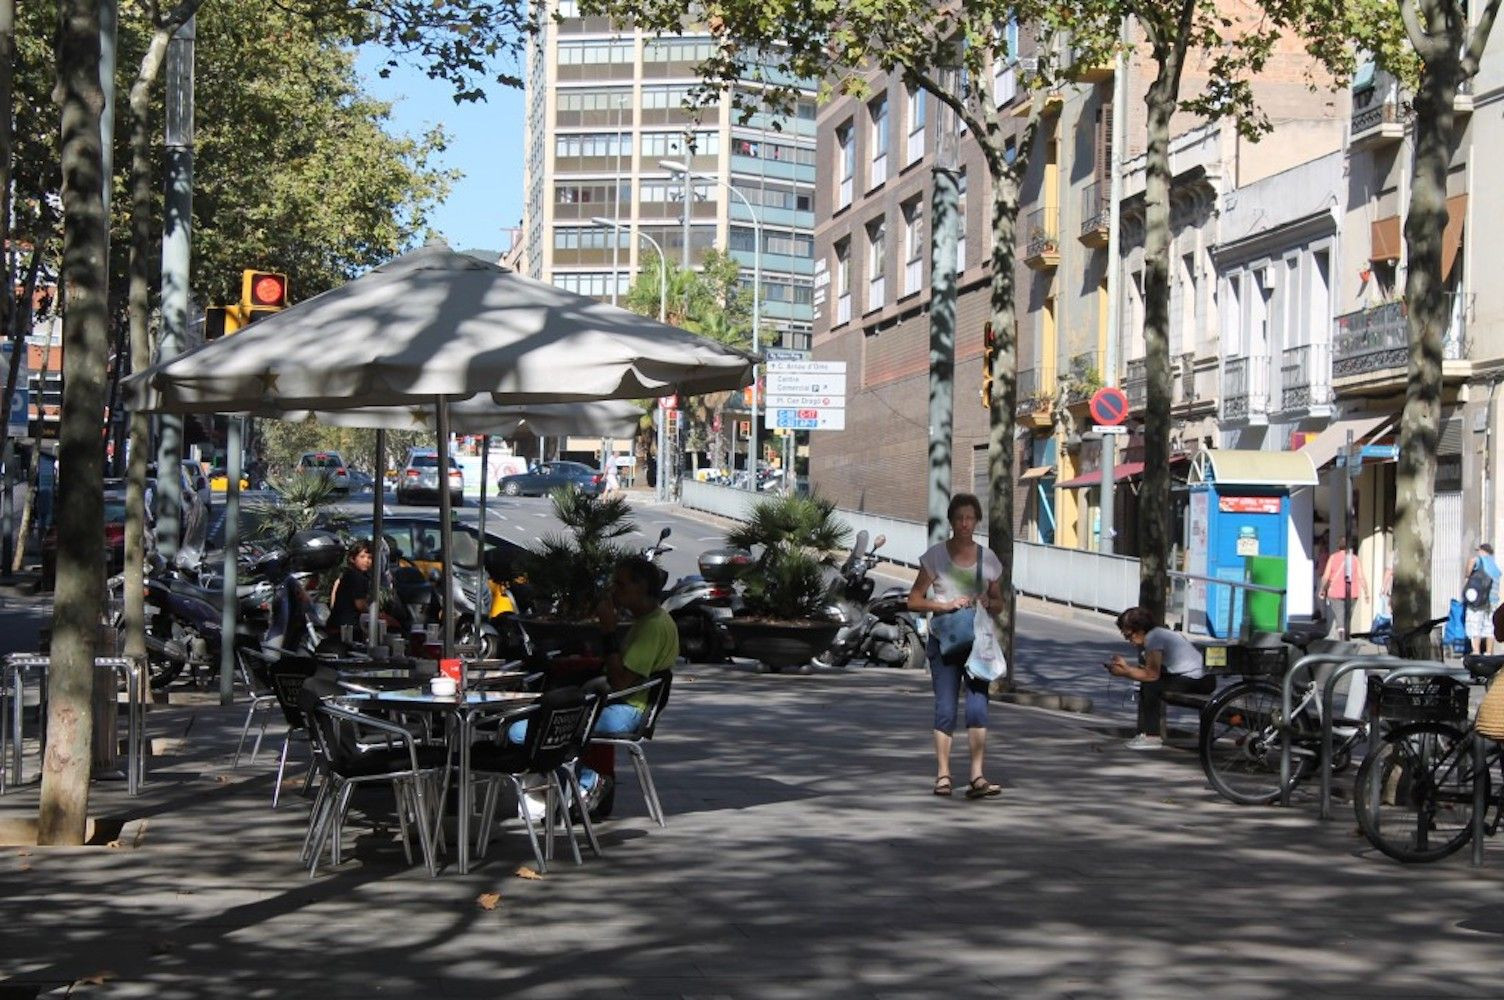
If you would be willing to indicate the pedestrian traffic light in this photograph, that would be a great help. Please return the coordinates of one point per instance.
(744, 427)
(989, 353)
(261, 294)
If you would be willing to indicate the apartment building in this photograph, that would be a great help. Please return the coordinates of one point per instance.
(604, 114)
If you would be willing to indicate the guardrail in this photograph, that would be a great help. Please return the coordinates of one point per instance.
(1074, 576)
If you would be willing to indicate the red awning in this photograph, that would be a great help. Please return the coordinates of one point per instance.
(1125, 471)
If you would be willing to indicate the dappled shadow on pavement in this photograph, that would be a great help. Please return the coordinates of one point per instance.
(804, 857)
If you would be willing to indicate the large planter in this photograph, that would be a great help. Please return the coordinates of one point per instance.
(781, 644)
(551, 635)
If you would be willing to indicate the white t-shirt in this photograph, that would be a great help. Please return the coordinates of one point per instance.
(952, 581)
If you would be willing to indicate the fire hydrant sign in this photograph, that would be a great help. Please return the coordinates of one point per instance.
(806, 395)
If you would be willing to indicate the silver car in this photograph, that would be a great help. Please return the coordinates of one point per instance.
(420, 478)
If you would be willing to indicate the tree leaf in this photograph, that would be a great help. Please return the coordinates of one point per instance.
(523, 871)
(488, 900)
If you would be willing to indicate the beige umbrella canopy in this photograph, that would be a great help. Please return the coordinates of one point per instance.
(434, 323)
(480, 415)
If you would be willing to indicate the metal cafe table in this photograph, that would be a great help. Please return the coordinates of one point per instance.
(460, 713)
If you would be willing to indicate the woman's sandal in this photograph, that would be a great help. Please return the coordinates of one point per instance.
(981, 788)
(943, 787)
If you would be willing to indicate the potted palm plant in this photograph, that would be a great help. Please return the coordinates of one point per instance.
(568, 573)
(790, 584)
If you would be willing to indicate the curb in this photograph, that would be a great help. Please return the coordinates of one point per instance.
(1078, 704)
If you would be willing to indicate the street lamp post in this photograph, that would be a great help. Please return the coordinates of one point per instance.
(683, 168)
(661, 485)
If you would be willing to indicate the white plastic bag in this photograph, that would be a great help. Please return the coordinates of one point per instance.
(986, 662)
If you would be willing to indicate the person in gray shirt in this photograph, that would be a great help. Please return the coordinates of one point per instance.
(1167, 662)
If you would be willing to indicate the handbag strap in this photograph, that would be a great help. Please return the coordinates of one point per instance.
(979, 570)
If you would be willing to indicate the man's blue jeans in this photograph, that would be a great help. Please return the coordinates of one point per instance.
(616, 720)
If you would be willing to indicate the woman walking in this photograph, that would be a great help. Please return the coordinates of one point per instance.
(958, 573)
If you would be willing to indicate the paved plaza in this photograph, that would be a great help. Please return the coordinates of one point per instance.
(804, 857)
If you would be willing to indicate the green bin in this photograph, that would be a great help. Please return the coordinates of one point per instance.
(1264, 610)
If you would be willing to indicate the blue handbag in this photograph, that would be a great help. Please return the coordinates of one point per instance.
(955, 631)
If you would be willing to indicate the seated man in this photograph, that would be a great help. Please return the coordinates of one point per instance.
(651, 645)
(1167, 662)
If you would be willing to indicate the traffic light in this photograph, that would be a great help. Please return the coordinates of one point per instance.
(744, 427)
(219, 321)
(989, 353)
(261, 294)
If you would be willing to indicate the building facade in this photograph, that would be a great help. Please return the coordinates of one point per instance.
(604, 114)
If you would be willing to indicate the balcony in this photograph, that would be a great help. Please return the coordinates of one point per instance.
(1086, 69)
(1042, 238)
(1036, 397)
(1096, 215)
(1376, 115)
(1374, 344)
(1245, 390)
(1306, 381)
(1083, 378)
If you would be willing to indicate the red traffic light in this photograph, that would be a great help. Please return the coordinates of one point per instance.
(263, 290)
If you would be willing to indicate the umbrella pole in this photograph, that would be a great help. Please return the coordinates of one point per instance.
(231, 611)
(446, 533)
(378, 538)
(483, 589)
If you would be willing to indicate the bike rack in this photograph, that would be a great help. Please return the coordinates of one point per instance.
(1397, 668)
(1308, 664)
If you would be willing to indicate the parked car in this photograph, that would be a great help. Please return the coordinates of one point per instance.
(551, 476)
(330, 464)
(420, 478)
(360, 482)
(114, 537)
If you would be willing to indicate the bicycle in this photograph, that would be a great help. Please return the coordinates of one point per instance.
(1414, 795)
(1243, 731)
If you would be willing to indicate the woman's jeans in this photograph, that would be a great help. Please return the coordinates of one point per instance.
(1151, 696)
(948, 680)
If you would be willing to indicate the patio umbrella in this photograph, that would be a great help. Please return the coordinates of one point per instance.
(434, 323)
(429, 328)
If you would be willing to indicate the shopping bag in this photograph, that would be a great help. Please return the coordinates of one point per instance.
(986, 661)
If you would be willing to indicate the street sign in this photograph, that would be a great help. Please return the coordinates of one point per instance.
(808, 367)
(20, 400)
(808, 419)
(1105, 429)
(793, 384)
(806, 402)
(1108, 406)
(774, 355)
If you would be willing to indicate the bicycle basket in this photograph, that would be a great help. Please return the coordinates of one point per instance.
(1420, 699)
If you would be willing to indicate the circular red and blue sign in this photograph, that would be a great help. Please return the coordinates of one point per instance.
(1108, 406)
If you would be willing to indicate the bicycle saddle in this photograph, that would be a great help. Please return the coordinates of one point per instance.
(1483, 667)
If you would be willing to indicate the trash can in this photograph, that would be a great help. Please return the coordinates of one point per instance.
(1264, 609)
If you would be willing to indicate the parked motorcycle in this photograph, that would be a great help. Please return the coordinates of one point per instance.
(702, 603)
(880, 629)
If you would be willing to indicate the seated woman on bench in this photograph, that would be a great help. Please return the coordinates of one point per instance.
(1167, 662)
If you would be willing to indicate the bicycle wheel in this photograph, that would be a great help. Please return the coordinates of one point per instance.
(1414, 795)
(1240, 744)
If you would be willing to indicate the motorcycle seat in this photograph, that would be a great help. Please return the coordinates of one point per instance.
(1482, 667)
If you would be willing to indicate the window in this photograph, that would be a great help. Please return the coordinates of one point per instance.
(588, 238)
(781, 242)
(593, 144)
(659, 145)
(594, 53)
(914, 114)
(878, 133)
(845, 164)
(658, 50)
(913, 247)
(877, 243)
(1188, 304)
(961, 222)
(1232, 316)
(777, 152)
(597, 284)
(842, 280)
(1321, 295)
(590, 194)
(782, 197)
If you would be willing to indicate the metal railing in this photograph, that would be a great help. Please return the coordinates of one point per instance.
(1084, 377)
(1378, 339)
(1245, 387)
(1096, 211)
(1042, 232)
(1205, 607)
(1306, 377)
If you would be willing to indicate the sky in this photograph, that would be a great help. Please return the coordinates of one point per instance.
(485, 145)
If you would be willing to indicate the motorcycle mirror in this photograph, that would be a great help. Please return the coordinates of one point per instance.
(665, 533)
(879, 542)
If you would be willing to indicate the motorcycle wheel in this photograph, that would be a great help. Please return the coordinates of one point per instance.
(489, 647)
(699, 639)
(911, 645)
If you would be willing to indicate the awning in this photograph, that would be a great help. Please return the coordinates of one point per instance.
(1230, 467)
(1124, 472)
(1384, 239)
(1038, 472)
(1451, 236)
(1324, 447)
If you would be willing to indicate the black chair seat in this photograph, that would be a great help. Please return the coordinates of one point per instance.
(511, 758)
(374, 762)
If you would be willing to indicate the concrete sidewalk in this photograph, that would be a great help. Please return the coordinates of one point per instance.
(804, 857)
